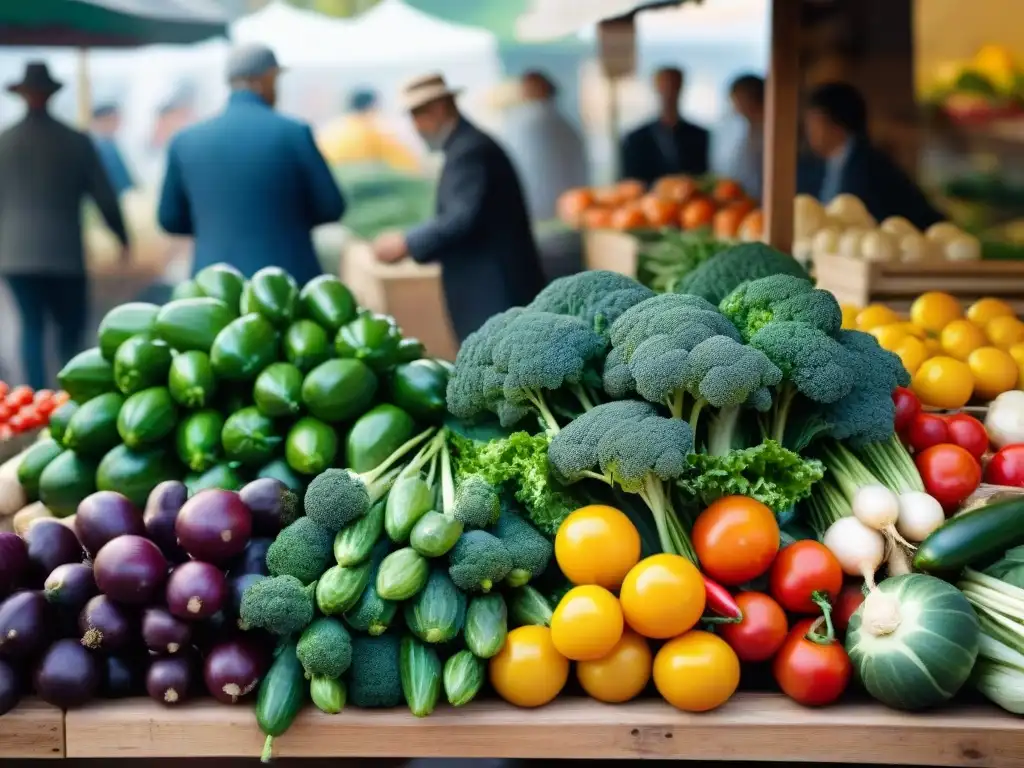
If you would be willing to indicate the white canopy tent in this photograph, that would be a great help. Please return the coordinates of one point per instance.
(298, 38)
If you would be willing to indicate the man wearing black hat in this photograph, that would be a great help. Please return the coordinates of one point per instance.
(106, 122)
(46, 170)
(249, 184)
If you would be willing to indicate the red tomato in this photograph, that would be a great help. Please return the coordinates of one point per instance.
(17, 423)
(20, 396)
(4, 389)
(763, 628)
(849, 600)
(5, 412)
(950, 473)
(811, 668)
(969, 433)
(6, 433)
(44, 408)
(927, 430)
(43, 394)
(1007, 466)
(736, 539)
(805, 573)
(30, 418)
(907, 407)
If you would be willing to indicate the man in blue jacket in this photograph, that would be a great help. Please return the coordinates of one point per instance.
(249, 185)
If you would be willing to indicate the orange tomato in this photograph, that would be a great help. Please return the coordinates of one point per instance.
(1004, 331)
(60, 398)
(622, 674)
(912, 352)
(597, 545)
(658, 211)
(697, 213)
(726, 224)
(961, 337)
(587, 623)
(696, 672)
(943, 382)
(572, 203)
(934, 310)
(628, 217)
(679, 189)
(994, 371)
(607, 197)
(597, 217)
(985, 309)
(662, 596)
(528, 671)
(752, 228)
(630, 189)
(736, 539)
(727, 190)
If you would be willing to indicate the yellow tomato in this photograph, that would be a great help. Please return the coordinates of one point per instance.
(912, 352)
(850, 312)
(597, 545)
(994, 370)
(696, 672)
(528, 671)
(1017, 353)
(587, 623)
(933, 347)
(1004, 331)
(874, 315)
(889, 335)
(663, 596)
(983, 310)
(934, 310)
(960, 338)
(943, 382)
(622, 674)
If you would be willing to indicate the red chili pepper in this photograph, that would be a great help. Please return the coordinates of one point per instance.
(721, 601)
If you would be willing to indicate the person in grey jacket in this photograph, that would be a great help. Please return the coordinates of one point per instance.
(47, 169)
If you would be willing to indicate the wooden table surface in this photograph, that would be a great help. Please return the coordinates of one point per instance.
(32, 730)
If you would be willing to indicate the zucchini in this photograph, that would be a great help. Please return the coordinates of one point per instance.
(437, 613)
(193, 324)
(376, 435)
(402, 574)
(147, 417)
(60, 418)
(419, 388)
(340, 588)
(221, 281)
(135, 473)
(224, 476)
(306, 345)
(244, 348)
(327, 301)
(273, 294)
(463, 677)
(141, 362)
(311, 446)
(281, 696)
(355, 542)
(974, 538)
(198, 440)
(528, 607)
(123, 322)
(328, 694)
(67, 480)
(87, 375)
(92, 431)
(486, 625)
(249, 437)
(372, 614)
(435, 534)
(420, 669)
(409, 500)
(191, 381)
(339, 390)
(32, 464)
(278, 390)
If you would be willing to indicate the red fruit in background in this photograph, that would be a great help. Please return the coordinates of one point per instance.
(907, 407)
(969, 433)
(927, 430)
(1007, 467)
(20, 396)
(950, 474)
(843, 607)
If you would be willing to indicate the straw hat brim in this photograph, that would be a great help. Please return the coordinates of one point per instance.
(420, 98)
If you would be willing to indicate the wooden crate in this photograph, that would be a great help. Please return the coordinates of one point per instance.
(611, 250)
(32, 730)
(860, 283)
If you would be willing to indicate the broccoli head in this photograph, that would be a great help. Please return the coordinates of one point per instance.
(279, 604)
(781, 298)
(476, 503)
(720, 275)
(303, 550)
(817, 365)
(597, 297)
(478, 561)
(335, 498)
(374, 677)
(325, 648)
(475, 385)
(884, 367)
(531, 552)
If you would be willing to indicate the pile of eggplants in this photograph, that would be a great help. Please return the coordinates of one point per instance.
(121, 600)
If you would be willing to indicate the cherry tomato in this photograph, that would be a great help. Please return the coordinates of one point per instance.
(20, 396)
(969, 433)
(927, 430)
(736, 539)
(587, 623)
(849, 600)
(811, 668)
(663, 596)
(43, 394)
(803, 572)
(4, 389)
(907, 407)
(17, 423)
(45, 407)
(5, 412)
(950, 473)
(1007, 466)
(528, 671)
(763, 628)
(30, 418)
(61, 397)
(597, 545)
(696, 672)
(622, 674)
(6, 433)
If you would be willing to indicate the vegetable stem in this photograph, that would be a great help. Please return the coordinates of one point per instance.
(447, 484)
(548, 420)
(268, 750)
(782, 405)
(695, 413)
(675, 404)
(822, 601)
(581, 394)
(404, 448)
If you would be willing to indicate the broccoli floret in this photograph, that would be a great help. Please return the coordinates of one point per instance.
(884, 367)
(303, 550)
(636, 449)
(597, 297)
(781, 298)
(374, 678)
(325, 648)
(278, 604)
(476, 503)
(478, 561)
(720, 275)
(531, 552)
(475, 386)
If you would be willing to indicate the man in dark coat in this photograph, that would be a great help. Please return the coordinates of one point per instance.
(668, 145)
(250, 184)
(481, 234)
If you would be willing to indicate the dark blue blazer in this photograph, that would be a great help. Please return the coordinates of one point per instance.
(481, 233)
(249, 185)
(644, 158)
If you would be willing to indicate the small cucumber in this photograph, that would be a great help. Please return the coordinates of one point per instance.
(402, 574)
(354, 543)
(409, 500)
(281, 695)
(463, 677)
(328, 694)
(420, 669)
(437, 613)
(435, 534)
(31, 467)
(974, 538)
(340, 588)
(486, 625)
(528, 607)
(372, 614)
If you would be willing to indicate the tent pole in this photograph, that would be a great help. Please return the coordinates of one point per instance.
(84, 90)
(781, 124)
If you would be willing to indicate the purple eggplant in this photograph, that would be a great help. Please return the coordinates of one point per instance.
(68, 675)
(161, 511)
(106, 625)
(163, 633)
(233, 669)
(70, 587)
(170, 680)
(10, 688)
(25, 625)
(214, 526)
(253, 559)
(123, 676)
(272, 504)
(50, 543)
(14, 562)
(131, 570)
(196, 590)
(103, 516)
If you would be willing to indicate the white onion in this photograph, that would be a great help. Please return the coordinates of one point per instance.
(876, 506)
(860, 550)
(897, 563)
(920, 515)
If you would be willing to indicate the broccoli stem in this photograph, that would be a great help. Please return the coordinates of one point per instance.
(698, 406)
(784, 401)
(379, 488)
(675, 403)
(673, 537)
(581, 394)
(722, 431)
(432, 470)
(547, 418)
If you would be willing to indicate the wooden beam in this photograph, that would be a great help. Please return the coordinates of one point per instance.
(32, 730)
(781, 124)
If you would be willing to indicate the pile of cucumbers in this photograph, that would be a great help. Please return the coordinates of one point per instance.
(231, 380)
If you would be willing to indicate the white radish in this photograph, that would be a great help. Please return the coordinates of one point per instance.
(898, 562)
(920, 515)
(879, 508)
(859, 549)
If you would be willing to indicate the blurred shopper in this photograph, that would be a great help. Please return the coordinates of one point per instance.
(249, 184)
(747, 96)
(836, 123)
(47, 169)
(669, 144)
(481, 232)
(106, 122)
(361, 137)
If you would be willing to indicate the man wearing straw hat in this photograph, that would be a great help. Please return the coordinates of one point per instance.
(481, 232)
(46, 171)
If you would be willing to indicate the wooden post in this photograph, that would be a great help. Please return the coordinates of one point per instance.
(781, 124)
(84, 88)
